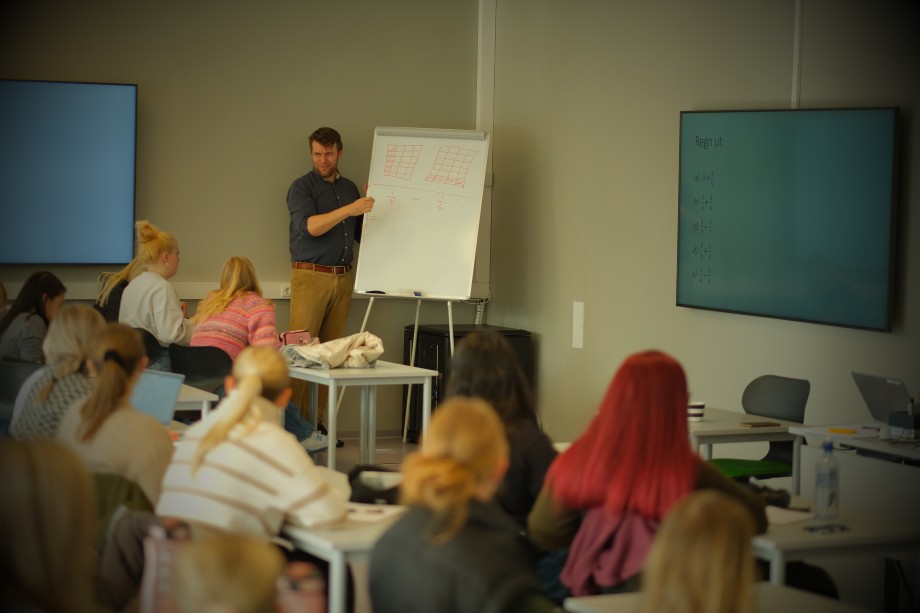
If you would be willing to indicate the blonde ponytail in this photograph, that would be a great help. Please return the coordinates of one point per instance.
(115, 354)
(239, 407)
(111, 280)
(260, 374)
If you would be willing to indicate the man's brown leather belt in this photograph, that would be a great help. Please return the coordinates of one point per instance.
(335, 270)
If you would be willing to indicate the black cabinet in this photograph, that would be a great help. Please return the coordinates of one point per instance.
(434, 353)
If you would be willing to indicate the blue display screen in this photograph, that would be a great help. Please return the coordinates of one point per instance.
(67, 172)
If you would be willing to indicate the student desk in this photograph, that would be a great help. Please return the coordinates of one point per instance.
(865, 534)
(341, 545)
(877, 477)
(767, 597)
(193, 399)
(382, 373)
(908, 450)
(721, 426)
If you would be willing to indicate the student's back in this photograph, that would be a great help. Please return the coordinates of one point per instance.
(238, 471)
(45, 397)
(108, 433)
(606, 494)
(485, 366)
(455, 550)
(487, 566)
(236, 315)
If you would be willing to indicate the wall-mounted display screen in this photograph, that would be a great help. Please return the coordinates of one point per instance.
(67, 163)
(789, 214)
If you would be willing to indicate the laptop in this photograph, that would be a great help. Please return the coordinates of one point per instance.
(156, 394)
(883, 395)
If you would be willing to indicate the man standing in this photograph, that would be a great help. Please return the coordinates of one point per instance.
(326, 212)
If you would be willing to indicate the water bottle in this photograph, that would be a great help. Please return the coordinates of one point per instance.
(827, 488)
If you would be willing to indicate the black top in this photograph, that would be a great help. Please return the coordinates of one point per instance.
(486, 568)
(113, 304)
(311, 195)
(531, 454)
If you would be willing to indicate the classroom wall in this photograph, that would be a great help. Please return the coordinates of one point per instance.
(229, 91)
(587, 103)
(585, 151)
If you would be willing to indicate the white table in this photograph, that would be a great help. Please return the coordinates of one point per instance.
(891, 449)
(865, 534)
(341, 545)
(721, 426)
(877, 477)
(767, 597)
(194, 399)
(383, 373)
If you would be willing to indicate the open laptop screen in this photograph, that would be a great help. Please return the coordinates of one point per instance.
(156, 393)
(883, 395)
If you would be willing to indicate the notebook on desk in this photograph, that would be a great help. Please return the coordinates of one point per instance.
(156, 393)
(883, 395)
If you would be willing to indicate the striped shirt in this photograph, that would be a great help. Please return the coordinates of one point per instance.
(251, 483)
(249, 319)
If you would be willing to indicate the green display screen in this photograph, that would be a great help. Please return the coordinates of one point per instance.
(789, 214)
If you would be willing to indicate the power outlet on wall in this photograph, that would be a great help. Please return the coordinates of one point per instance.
(285, 290)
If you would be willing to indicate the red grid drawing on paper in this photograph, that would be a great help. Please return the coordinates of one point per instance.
(400, 161)
(451, 166)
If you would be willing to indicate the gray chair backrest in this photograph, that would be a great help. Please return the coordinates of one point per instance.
(778, 397)
(203, 367)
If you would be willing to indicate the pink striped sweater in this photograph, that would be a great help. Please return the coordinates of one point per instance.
(249, 319)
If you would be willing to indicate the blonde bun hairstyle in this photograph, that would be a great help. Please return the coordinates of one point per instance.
(461, 450)
(151, 242)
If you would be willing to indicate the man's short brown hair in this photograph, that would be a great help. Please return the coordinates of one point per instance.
(327, 137)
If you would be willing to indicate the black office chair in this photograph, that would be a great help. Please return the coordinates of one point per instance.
(203, 367)
(770, 396)
(13, 373)
(151, 345)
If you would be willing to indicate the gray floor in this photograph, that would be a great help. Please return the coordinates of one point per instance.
(390, 453)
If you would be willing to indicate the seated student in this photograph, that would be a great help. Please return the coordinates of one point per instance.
(108, 434)
(113, 286)
(238, 471)
(45, 396)
(23, 327)
(455, 550)
(702, 560)
(485, 366)
(227, 573)
(46, 527)
(149, 301)
(236, 316)
(606, 494)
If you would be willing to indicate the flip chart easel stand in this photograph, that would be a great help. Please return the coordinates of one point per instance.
(418, 307)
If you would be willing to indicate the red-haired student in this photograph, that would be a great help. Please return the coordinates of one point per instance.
(605, 496)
